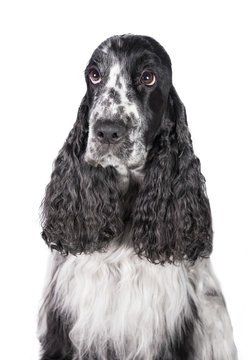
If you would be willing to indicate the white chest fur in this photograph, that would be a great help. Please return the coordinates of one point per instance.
(116, 297)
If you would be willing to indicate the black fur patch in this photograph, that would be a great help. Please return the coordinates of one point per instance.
(114, 94)
(56, 343)
(182, 346)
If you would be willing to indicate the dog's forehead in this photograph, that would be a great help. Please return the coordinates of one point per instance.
(125, 51)
(121, 45)
(126, 55)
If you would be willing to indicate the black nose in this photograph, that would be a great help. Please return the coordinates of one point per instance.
(107, 131)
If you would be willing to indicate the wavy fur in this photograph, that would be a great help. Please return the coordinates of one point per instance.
(171, 217)
(81, 211)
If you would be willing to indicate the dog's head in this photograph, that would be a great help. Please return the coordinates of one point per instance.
(128, 80)
(132, 117)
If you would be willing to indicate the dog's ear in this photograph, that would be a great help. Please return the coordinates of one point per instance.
(171, 217)
(80, 211)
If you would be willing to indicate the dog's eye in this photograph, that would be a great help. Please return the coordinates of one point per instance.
(95, 76)
(147, 78)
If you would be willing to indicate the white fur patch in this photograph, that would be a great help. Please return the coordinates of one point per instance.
(134, 306)
(117, 297)
(130, 107)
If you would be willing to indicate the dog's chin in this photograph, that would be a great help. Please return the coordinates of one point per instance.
(104, 161)
(114, 161)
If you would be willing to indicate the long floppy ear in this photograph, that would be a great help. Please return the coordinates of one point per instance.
(80, 211)
(171, 217)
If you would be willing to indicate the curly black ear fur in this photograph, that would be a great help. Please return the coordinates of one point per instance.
(171, 217)
(81, 211)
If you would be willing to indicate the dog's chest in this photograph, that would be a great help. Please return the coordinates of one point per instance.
(117, 296)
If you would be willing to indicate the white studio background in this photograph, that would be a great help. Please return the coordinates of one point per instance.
(45, 46)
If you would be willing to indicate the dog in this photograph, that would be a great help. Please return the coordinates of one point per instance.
(127, 217)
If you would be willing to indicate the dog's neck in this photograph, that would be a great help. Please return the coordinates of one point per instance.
(125, 176)
(129, 182)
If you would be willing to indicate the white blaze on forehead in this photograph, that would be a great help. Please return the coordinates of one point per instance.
(114, 72)
(117, 76)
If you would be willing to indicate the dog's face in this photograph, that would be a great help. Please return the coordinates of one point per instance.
(128, 79)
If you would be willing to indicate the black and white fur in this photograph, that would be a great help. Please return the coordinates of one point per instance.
(129, 224)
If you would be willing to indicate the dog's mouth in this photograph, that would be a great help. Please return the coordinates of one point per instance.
(110, 159)
(108, 154)
(107, 160)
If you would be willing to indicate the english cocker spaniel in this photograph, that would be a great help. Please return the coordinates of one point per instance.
(128, 219)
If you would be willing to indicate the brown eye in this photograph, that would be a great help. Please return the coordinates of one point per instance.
(95, 76)
(147, 78)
